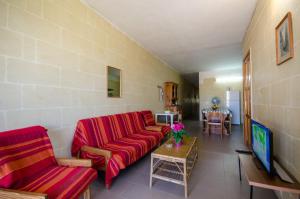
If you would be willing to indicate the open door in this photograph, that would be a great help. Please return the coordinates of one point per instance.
(247, 99)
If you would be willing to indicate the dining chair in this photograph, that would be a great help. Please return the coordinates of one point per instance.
(216, 120)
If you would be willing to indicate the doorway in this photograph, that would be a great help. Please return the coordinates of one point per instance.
(190, 96)
(247, 99)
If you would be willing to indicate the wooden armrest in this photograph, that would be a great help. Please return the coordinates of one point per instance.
(103, 152)
(162, 124)
(153, 128)
(16, 194)
(74, 162)
(107, 154)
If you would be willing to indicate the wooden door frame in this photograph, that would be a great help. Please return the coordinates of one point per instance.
(248, 54)
(251, 73)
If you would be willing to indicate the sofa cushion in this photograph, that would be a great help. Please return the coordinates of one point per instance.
(123, 154)
(154, 136)
(135, 145)
(117, 125)
(94, 132)
(148, 117)
(129, 123)
(131, 148)
(138, 121)
(133, 122)
(128, 150)
(59, 181)
(23, 151)
(134, 148)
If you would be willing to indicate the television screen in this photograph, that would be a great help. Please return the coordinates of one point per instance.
(262, 144)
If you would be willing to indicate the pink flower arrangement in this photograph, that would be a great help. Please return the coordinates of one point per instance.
(177, 127)
(178, 132)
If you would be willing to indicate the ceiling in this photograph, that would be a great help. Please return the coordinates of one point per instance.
(191, 36)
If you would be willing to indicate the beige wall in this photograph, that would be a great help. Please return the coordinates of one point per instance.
(276, 91)
(209, 88)
(53, 55)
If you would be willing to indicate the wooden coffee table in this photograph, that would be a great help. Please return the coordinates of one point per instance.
(174, 164)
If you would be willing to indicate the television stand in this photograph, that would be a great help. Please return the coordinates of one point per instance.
(260, 178)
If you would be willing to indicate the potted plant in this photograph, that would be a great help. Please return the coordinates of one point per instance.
(178, 132)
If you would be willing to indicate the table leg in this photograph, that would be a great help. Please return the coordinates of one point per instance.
(151, 172)
(185, 180)
(240, 168)
(251, 191)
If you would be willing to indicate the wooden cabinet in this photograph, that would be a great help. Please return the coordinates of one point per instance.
(170, 94)
(171, 99)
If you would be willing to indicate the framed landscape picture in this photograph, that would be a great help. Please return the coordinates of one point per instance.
(284, 39)
(114, 80)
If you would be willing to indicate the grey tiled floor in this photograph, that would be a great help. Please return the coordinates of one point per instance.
(215, 175)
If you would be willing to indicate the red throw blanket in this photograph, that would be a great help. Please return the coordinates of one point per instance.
(27, 163)
(123, 134)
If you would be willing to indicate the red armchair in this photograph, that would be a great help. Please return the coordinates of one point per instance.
(28, 168)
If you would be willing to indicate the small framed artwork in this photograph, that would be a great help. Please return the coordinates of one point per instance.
(284, 39)
(114, 80)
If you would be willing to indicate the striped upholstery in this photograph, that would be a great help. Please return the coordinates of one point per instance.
(129, 140)
(165, 130)
(128, 123)
(149, 121)
(118, 125)
(27, 163)
(153, 138)
(59, 182)
(138, 121)
(23, 151)
(93, 131)
(148, 117)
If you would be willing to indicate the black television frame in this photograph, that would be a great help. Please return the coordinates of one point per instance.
(272, 171)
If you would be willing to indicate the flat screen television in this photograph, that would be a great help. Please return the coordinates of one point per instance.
(262, 145)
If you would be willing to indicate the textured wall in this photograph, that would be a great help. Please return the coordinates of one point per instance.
(53, 55)
(276, 91)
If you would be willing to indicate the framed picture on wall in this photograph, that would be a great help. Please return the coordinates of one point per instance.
(114, 80)
(284, 39)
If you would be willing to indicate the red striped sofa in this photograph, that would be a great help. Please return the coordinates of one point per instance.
(114, 142)
(28, 168)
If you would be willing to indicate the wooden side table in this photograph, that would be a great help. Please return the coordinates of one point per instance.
(174, 164)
